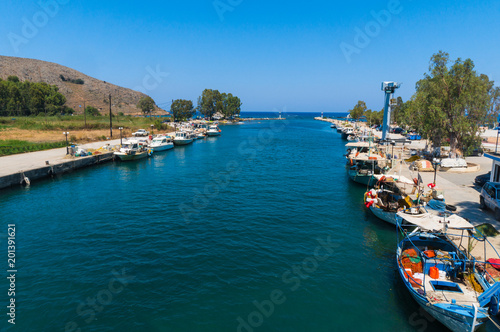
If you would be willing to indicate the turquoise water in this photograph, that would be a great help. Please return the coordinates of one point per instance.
(200, 237)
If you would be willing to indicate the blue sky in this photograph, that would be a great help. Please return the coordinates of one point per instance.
(273, 55)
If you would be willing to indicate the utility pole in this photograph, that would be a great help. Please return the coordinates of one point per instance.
(110, 121)
(84, 115)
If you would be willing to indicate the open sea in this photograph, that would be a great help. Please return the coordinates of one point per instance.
(259, 229)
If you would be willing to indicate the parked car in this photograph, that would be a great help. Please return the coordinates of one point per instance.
(489, 197)
(141, 132)
(480, 180)
(397, 130)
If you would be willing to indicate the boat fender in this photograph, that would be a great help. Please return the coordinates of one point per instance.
(357, 154)
(494, 306)
(150, 152)
(351, 162)
(382, 179)
(415, 181)
(25, 181)
(450, 207)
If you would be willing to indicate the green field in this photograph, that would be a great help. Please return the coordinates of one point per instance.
(77, 122)
(42, 124)
(8, 147)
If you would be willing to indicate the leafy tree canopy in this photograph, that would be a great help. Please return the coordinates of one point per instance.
(28, 98)
(210, 102)
(358, 110)
(146, 104)
(451, 101)
(92, 111)
(182, 109)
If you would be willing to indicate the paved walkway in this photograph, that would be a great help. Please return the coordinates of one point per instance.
(26, 161)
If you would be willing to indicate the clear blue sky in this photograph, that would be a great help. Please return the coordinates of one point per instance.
(272, 54)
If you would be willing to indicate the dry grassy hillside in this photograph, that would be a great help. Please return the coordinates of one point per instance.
(93, 92)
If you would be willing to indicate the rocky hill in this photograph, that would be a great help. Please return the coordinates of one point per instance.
(93, 92)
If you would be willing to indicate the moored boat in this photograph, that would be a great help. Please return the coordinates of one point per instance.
(213, 130)
(346, 132)
(183, 138)
(161, 143)
(132, 150)
(437, 267)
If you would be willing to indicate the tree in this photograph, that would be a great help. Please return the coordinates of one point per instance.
(231, 105)
(374, 117)
(182, 109)
(358, 110)
(13, 78)
(449, 103)
(211, 102)
(92, 111)
(146, 104)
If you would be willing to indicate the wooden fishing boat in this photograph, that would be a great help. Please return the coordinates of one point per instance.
(441, 274)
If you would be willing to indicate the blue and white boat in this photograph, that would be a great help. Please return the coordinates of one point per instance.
(440, 272)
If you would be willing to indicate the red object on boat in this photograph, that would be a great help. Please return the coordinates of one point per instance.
(434, 272)
(495, 262)
(416, 282)
(430, 253)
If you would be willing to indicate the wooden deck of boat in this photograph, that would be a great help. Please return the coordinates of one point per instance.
(468, 296)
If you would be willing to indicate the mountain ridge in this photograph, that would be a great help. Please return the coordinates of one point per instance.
(93, 92)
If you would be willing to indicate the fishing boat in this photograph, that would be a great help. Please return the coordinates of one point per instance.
(346, 132)
(183, 138)
(437, 267)
(161, 143)
(132, 150)
(363, 168)
(213, 130)
(333, 126)
(389, 196)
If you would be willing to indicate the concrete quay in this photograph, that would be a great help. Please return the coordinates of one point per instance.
(47, 163)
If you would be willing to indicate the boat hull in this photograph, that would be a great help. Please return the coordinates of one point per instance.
(128, 157)
(447, 314)
(366, 179)
(162, 147)
(184, 141)
(212, 134)
(389, 217)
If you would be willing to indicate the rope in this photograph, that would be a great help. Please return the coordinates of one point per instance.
(498, 326)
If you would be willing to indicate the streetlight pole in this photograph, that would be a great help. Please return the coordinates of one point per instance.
(84, 115)
(110, 121)
(67, 149)
(121, 128)
(152, 133)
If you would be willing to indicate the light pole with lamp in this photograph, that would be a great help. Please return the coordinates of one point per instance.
(152, 133)
(121, 128)
(66, 133)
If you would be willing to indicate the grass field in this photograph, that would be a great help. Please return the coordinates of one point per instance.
(8, 147)
(26, 134)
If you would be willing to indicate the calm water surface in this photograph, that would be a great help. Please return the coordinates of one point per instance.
(205, 237)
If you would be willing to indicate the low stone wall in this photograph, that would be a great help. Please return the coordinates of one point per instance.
(51, 170)
(471, 168)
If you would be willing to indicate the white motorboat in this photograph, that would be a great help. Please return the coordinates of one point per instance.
(213, 130)
(132, 150)
(183, 138)
(161, 143)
